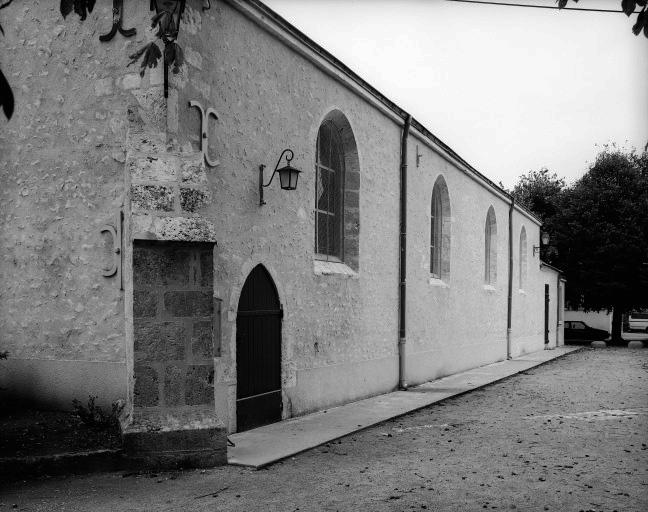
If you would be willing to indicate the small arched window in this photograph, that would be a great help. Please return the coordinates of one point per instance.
(523, 257)
(337, 192)
(440, 230)
(490, 248)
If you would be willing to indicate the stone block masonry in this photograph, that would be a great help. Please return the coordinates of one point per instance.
(173, 309)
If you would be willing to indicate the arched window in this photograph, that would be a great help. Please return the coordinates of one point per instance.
(523, 257)
(490, 248)
(328, 192)
(440, 230)
(337, 191)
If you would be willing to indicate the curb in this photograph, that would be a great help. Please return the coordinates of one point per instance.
(239, 461)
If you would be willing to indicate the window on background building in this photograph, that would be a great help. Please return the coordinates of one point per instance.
(440, 230)
(490, 248)
(337, 192)
(523, 257)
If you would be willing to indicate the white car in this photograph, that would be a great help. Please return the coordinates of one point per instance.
(638, 321)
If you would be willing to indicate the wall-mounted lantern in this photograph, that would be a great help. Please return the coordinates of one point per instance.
(288, 175)
(544, 240)
(168, 14)
(173, 8)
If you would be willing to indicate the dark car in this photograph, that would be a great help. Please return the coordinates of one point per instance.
(577, 330)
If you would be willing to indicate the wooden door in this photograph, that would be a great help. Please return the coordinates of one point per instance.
(258, 352)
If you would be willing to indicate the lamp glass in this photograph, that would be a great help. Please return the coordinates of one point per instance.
(545, 238)
(288, 177)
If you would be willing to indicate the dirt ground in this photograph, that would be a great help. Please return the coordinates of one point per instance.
(29, 432)
(570, 435)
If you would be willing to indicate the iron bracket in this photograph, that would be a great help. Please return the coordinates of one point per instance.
(116, 233)
(118, 13)
(204, 131)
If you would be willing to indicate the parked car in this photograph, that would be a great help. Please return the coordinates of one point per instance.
(638, 321)
(577, 330)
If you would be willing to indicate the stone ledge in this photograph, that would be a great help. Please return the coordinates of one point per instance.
(326, 268)
(172, 449)
(180, 229)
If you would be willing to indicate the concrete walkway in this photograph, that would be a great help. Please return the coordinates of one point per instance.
(264, 445)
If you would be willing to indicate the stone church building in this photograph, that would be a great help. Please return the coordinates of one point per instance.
(138, 262)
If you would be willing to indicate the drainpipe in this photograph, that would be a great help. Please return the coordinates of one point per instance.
(557, 309)
(402, 381)
(510, 281)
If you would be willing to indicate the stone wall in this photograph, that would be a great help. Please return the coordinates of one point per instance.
(173, 310)
(61, 179)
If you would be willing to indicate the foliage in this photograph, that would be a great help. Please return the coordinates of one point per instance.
(81, 7)
(628, 7)
(94, 416)
(598, 230)
(167, 32)
(539, 191)
(151, 55)
(4, 355)
(601, 235)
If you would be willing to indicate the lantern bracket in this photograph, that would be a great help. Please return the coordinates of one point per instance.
(262, 167)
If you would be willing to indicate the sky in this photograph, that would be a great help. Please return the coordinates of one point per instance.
(510, 89)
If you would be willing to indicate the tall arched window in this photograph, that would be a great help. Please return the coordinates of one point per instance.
(329, 204)
(523, 257)
(440, 230)
(337, 192)
(490, 248)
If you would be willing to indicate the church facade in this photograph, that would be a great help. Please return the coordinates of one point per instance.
(139, 262)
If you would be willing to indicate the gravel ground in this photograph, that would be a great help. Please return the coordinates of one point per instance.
(32, 432)
(570, 435)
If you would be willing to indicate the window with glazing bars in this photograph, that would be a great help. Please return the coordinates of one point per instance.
(436, 235)
(329, 183)
(490, 248)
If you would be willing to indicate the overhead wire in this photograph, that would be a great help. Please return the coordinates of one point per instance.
(585, 9)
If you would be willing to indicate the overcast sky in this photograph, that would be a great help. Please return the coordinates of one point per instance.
(508, 88)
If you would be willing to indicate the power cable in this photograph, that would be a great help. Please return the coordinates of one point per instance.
(535, 6)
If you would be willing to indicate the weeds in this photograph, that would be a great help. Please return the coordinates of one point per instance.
(94, 416)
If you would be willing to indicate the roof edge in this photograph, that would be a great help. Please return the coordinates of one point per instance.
(264, 10)
(547, 265)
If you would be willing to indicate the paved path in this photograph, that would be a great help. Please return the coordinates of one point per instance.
(265, 445)
(566, 436)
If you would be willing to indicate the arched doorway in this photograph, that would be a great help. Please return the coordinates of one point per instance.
(258, 352)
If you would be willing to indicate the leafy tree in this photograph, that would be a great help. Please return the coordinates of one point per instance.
(628, 7)
(540, 192)
(601, 235)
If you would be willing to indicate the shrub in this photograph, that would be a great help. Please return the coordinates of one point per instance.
(95, 417)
